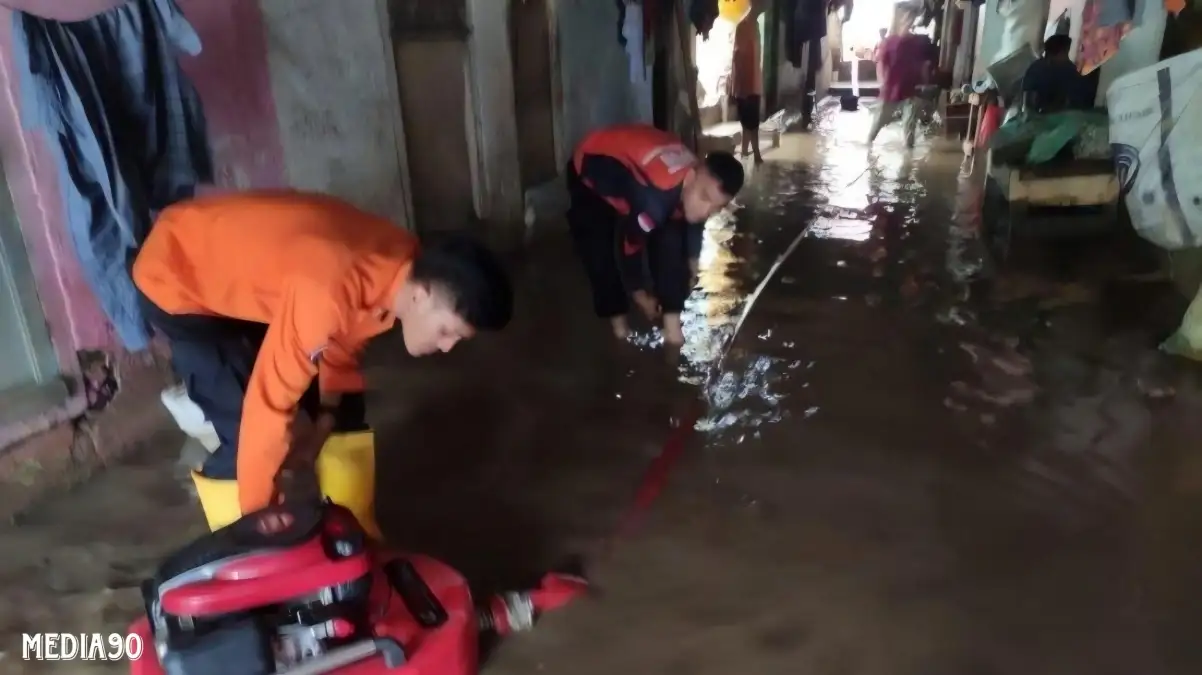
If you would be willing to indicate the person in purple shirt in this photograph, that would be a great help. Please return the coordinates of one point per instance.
(903, 64)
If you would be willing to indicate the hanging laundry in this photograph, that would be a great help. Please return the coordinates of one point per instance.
(75, 10)
(805, 22)
(125, 127)
(632, 34)
(703, 14)
(1098, 43)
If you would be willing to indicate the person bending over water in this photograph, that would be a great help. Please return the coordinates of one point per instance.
(639, 202)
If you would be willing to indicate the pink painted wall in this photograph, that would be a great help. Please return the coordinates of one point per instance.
(234, 81)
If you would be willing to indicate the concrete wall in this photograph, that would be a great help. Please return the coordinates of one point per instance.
(594, 89)
(534, 98)
(594, 71)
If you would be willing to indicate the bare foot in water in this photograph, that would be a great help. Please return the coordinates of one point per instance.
(620, 327)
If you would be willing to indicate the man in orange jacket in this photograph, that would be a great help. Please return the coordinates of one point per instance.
(639, 202)
(267, 298)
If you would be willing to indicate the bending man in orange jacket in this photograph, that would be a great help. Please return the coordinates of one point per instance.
(267, 299)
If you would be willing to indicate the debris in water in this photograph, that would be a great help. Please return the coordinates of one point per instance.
(952, 404)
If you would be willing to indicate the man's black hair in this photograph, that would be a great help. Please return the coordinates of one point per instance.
(728, 171)
(1057, 44)
(473, 276)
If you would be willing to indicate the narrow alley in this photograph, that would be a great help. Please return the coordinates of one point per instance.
(908, 463)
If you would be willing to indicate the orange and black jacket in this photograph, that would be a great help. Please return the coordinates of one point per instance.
(319, 272)
(639, 170)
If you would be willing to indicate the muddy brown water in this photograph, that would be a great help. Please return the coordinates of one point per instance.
(908, 464)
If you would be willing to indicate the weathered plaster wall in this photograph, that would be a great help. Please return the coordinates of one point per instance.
(234, 80)
(333, 80)
(595, 72)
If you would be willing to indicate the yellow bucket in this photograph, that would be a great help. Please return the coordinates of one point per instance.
(346, 472)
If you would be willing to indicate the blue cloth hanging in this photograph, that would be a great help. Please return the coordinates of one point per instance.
(126, 129)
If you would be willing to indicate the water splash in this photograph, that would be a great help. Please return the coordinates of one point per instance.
(745, 400)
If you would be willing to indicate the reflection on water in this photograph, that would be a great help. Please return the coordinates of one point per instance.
(862, 201)
(841, 228)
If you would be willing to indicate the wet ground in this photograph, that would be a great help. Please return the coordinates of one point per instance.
(911, 460)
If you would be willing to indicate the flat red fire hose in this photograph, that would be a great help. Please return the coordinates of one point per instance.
(655, 479)
(516, 611)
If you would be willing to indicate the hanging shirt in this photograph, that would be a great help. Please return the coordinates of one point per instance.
(321, 274)
(639, 170)
(125, 128)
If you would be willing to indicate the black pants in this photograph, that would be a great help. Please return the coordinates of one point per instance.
(595, 224)
(214, 357)
(809, 83)
(748, 108)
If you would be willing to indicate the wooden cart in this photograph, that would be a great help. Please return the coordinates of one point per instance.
(1014, 195)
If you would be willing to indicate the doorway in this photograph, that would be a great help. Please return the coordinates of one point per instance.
(29, 371)
(430, 43)
(530, 47)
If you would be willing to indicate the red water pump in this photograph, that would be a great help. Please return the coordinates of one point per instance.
(301, 591)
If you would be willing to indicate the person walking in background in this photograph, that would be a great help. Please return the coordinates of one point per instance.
(903, 64)
(747, 82)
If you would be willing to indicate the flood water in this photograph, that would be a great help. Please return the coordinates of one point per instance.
(911, 460)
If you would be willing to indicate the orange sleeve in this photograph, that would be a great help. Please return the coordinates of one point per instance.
(296, 337)
(338, 372)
